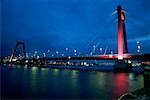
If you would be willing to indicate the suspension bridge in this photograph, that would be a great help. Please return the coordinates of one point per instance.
(122, 57)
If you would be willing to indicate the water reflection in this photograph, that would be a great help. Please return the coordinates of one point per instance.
(25, 67)
(74, 73)
(46, 83)
(133, 76)
(34, 68)
(121, 84)
(43, 69)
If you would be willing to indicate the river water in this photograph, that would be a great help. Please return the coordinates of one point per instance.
(34, 82)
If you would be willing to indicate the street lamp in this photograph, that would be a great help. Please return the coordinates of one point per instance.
(93, 50)
(75, 54)
(57, 53)
(37, 57)
(27, 55)
(101, 49)
(94, 46)
(66, 49)
(75, 50)
(138, 47)
(35, 52)
(44, 54)
(137, 42)
(111, 52)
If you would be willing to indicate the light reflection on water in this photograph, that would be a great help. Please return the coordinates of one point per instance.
(34, 82)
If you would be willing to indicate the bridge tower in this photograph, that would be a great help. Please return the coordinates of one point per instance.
(14, 50)
(121, 64)
(121, 34)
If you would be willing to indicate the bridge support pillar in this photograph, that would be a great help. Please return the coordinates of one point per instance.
(147, 79)
(122, 66)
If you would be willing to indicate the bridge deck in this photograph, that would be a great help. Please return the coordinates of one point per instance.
(101, 57)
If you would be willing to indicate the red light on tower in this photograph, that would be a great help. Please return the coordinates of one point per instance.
(120, 36)
(122, 15)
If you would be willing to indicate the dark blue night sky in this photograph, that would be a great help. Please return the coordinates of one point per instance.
(76, 24)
